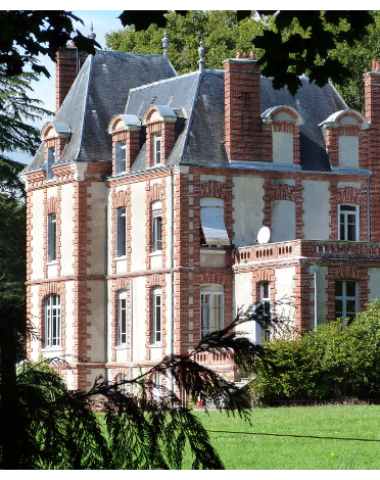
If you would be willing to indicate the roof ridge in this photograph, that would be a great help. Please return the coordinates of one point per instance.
(164, 80)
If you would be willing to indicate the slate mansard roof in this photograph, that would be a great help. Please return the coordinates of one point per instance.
(112, 83)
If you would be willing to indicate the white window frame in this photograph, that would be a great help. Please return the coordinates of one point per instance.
(122, 318)
(121, 156)
(53, 321)
(157, 316)
(157, 226)
(212, 308)
(157, 141)
(348, 215)
(346, 312)
(121, 231)
(52, 237)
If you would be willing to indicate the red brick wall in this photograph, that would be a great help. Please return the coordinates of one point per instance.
(242, 109)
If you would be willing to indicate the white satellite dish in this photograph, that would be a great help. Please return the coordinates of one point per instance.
(264, 235)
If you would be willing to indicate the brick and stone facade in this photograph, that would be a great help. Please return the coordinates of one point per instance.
(234, 156)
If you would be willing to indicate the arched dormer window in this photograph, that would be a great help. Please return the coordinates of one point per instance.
(343, 131)
(125, 131)
(54, 135)
(160, 123)
(285, 122)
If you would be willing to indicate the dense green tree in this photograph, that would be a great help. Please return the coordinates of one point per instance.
(292, 42)
(25, 34)
(220, 31)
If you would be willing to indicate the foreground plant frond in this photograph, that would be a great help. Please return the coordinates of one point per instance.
(148, 428)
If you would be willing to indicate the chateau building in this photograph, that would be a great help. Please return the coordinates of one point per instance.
(158, 205)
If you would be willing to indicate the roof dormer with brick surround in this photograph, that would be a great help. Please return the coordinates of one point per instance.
(54, 136)
(345, 132)
(285, 124)
(160, 123)
(125, 131)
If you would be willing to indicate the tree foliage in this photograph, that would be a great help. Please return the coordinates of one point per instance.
(27, 33)
(292, 42)
(220, 31)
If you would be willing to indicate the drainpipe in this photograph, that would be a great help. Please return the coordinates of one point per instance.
(131, 330)
(171, 264)
(314, 270)
(106, 292)
(369, 208)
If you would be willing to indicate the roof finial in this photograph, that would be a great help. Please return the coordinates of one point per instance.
(91, 34)
(165, 43)
(201, 53)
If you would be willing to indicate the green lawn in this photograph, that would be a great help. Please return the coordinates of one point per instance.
(253, 452)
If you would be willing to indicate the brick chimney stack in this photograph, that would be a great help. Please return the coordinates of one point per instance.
(68, 63)
(372, 93)
(242, 99)
(372, 114)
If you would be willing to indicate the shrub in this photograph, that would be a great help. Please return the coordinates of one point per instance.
(335, 361)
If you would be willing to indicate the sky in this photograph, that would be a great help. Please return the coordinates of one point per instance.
(104, 21)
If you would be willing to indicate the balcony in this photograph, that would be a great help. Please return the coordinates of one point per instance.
(295, 249)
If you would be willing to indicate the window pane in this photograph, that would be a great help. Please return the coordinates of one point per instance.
(212, 311)
(350, 288)
(50, 162)
(157, 316)
(350, 306)
(122, 324)
(351, 233)
(52, 237)
(121, 231)
(157, 233)
(53, 321)
(157, 149)
(338, 306)
(120, 156)
(338, 289)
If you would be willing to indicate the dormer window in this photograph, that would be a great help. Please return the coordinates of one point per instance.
(125, 131)
(160, 123)
(55, 135)
(344, 131)
(121, 156)
(157, 149)
(51, 152)
(285, 122)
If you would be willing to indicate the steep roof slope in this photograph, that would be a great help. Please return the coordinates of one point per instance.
(100, 90)
(200, 96)
(116, 82)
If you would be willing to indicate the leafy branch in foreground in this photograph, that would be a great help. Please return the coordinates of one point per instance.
(148, 428)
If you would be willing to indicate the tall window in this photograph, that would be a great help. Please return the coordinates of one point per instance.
(53, 321)
(157, 226)
(348, 222)
(212, 308)
(265, 301)
(121, 156)
(157, 149)
(346, 299)
(50, 162)
(121, 231)
(52, 237)
(157, 315)
(122, 318)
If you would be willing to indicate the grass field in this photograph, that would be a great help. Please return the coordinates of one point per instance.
(254, 452)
